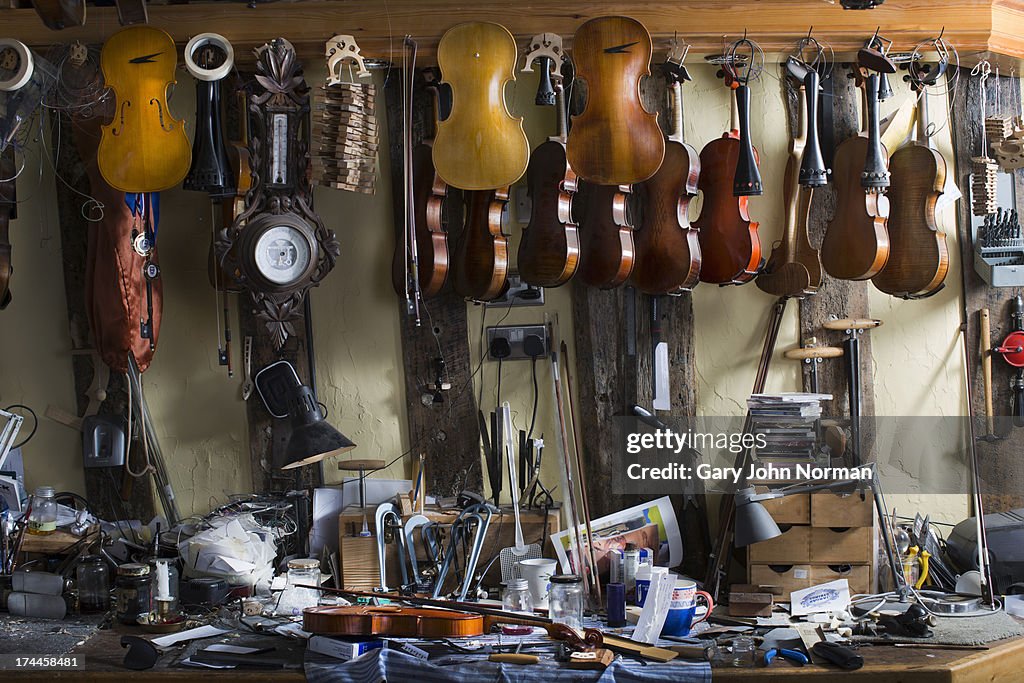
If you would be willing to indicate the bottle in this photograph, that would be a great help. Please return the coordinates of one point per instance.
(42, 519)
(516, 597)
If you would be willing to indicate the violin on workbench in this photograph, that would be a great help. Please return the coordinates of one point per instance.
(729, 244)
(794, 267)
(918, 257)
(549, 250)
(614, 140)
(429, 214)
(667, 256)
(480, 146)
(856, 242)
(144, 148)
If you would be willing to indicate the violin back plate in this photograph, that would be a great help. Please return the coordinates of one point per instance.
(614, 141)
(143, 149)
(480, 146)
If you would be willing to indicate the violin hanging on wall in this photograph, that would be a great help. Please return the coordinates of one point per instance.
(667, 251)
(856, 242)
(480, 146)
(549, 250)
(614, 140)
(144, 148)
(481, 252)
(429, 215)
(729, 244)
(918, 256)
(794, 267)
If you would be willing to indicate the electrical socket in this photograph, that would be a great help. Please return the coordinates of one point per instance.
(516, 334)
(513, 293)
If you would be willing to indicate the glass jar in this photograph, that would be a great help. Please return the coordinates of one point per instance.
(516, 597)
(134, 592)
(93, 585)
(43, 517)
(303, 571)
(565, 602)
(743, 652)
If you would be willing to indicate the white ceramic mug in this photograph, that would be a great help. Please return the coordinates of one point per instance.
(537, 573)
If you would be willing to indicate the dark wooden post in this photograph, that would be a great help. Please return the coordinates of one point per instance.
(447, 431)
(1002, 480)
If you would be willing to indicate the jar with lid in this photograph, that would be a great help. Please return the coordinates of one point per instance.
(134, 592)
(516, 596)
(565, 602)
(302, 571)
(93, 585)
(42, 519)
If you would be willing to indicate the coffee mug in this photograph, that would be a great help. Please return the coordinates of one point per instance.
(537, 573)
(682, 608)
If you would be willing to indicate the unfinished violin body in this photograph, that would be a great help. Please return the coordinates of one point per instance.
(730, 248)
(480, 146)
(606, 235)
(144, 149)
(614, 140)
(918, 256)
(668, 258)
(481, 253)
(856, 242)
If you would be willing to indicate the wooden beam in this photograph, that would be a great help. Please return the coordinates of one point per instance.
(974, 26)
(447, 432)
(838, 298)
(113, 494)
(1002, 480)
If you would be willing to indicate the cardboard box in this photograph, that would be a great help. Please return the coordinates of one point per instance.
(795, 509)
(343, 648)
(781, 578)
(791, 547)
(854, 545)
(830, 509)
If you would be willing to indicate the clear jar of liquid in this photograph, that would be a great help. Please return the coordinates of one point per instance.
(565, 602)
(42, 519)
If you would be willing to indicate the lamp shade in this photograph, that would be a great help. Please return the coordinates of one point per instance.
(312, 439)
(753, 522)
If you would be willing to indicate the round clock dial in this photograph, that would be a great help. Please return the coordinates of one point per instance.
(283, 254)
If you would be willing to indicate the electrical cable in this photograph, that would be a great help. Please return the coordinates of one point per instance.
(35, 422)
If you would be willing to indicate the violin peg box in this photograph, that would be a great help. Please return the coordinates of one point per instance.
(343, 648)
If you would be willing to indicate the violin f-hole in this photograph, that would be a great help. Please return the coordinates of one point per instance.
(160, 112)
(117, 131)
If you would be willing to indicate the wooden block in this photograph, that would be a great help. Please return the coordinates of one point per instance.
(841, 546)
(791, 547)
(598, 660)
(830, 509)
(780, 579)
(360, 568)
(795, 509)
(750, 604)
(859, 576)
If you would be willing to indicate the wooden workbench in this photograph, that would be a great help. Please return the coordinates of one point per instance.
(883, 664)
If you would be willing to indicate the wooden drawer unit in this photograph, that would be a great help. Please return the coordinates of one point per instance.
(795, 509)
(792, 547)
(784, 579)
(854, 545)
(832, 510)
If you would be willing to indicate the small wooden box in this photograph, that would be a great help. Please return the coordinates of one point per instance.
(829, 509)
(793, 546)
(795, 509)
(854, 545)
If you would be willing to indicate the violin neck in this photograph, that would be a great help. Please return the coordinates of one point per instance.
(676, 109)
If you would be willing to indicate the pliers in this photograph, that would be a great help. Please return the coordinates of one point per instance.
(795, 656)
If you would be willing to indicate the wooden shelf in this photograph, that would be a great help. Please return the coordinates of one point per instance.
(978, 28)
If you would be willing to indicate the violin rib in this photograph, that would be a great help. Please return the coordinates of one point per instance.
(549, 251)
(481, 252)
(606, 236)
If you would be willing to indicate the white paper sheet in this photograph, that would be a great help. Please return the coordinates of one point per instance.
(656, 606)
(191, 634)
(833, 596)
